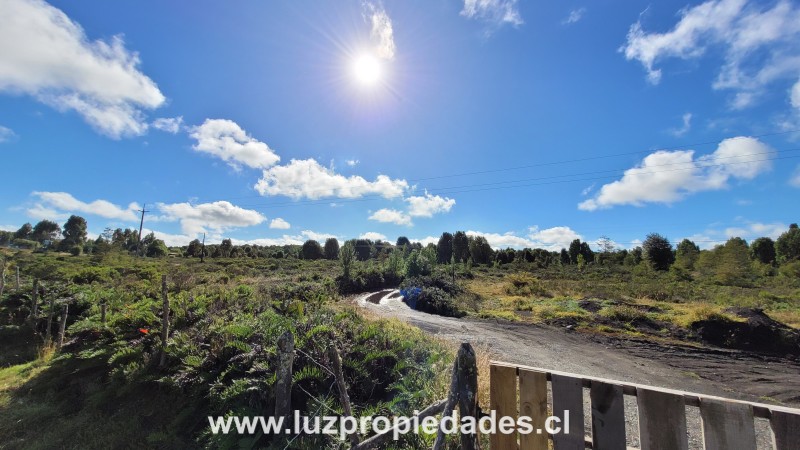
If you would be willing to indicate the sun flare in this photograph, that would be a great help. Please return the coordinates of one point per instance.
(367, 70)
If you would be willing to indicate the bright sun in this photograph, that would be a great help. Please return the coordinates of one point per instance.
(367, 70)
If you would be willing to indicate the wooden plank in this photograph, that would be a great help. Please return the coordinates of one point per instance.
(727, 425)
(568, 396)
(662, 420)
(785, 430)
(503, 401)
(608, 417)
(761, 410)
(533, 404)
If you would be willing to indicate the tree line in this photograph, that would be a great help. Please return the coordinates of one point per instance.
(730, 261)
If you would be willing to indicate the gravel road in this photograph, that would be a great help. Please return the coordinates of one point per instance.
(712, 371)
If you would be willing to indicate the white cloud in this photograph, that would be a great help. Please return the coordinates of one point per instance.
(217, 216)
(171, 240)
(499, 12)
(226, 140)
(308, 179)
(552, 239)
(283, 240)
(795, 95)
(426, 240)
(757, 229)
(574, 16)
(685, 127)
(703, 240)
(8, 228)
(498, 241)
(6, 134)
(321, 237)
(55, 204)
(759, 45)
(352, 162)
(381, 30)
(373, 236)
(279, 224)
(394, 216)
(168, 124)
(286, 239)
(668, 176)
(428, 205)
(795, 179)
(41, 212)
(46, 55)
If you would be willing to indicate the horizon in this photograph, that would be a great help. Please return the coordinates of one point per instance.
(276, 123)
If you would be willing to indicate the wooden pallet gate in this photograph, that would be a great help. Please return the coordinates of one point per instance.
(726, 424)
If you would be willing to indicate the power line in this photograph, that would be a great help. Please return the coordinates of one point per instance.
(569, 161)
(552, 180)
(593, 158)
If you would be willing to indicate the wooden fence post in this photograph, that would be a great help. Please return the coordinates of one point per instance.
(63, 327)
(103, 314)
(50, 314)
(452, 399)
(464, 391)
(336, 361)
(164, 320)
(2, 276)
(34, 298)
(283, 383)
(468, 392)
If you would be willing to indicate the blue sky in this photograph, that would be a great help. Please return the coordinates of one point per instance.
(530, 123)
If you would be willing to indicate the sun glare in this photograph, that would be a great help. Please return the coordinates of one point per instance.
(367, 70)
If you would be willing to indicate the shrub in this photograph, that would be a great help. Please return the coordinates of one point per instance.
(523, 285)
(431, 300)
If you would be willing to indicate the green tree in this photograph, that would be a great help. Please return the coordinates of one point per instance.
(574, 251)
(101, 246)
(225, 248)
(195, 248)
(331, 249)
(686, 254)
(444, 249)
(312, 250)
(479, 250)
(157, 249)
(395, 266)
(402, 241)
(787, 247)
(634, 257)
(586, 251)
(581, 261)
(363, 248)
(763, 250)
(460, 246)
(418, 264)
(347, 256)
(24, 232)
(733, 263)
(564, 257)
(74, 232)
(45, 230)
(657, 251)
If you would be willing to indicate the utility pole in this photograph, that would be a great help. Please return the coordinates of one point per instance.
(141, 224)
(203, 249)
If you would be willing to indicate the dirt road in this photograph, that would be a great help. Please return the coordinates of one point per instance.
(726, 373)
